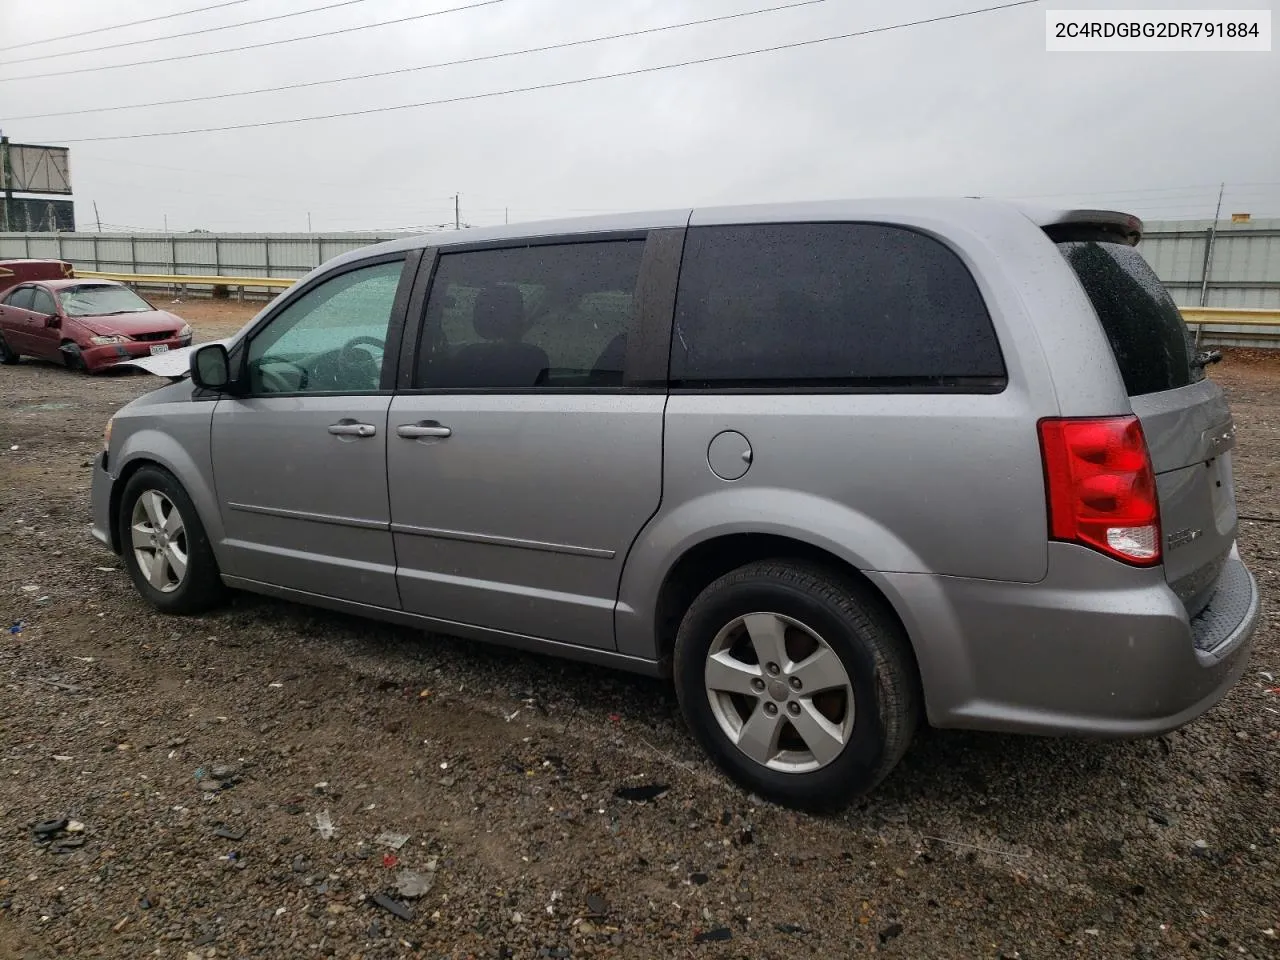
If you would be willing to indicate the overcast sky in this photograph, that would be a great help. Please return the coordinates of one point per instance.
(974, 106)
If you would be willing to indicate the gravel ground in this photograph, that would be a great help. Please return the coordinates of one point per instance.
(194, 758)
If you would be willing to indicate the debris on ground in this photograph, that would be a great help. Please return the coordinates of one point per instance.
(642, 794)
(412, 884)
(229, 833)
(393, 840)
(713, 936)
(891, 931)
(324, 823)
(395, 907)
(786, 884)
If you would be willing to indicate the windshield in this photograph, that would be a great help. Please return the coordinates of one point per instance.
(100, 300)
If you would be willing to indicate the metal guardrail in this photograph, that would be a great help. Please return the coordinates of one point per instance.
(1230, 316)
(178, 280)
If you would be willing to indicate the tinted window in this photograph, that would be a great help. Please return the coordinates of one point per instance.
(20, 298)
(331, 338)
(99, 299)
(42, 302)
(1148, 336)
(829, 305)
(544, 316)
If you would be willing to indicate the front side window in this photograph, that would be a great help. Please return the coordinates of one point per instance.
(554, 315)
(42, 302)
(20, 298)
(101, 300)
(829, 305)
(329, 340)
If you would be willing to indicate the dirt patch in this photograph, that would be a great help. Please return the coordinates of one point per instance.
(197, 753)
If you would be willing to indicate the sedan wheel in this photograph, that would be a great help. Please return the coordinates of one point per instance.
(159, 540)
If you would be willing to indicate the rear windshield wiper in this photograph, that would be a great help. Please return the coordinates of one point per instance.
(1203, 360)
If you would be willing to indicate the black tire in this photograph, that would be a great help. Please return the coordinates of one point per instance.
(870, 645)
(201, 586)
(72, 357)
(7, 357)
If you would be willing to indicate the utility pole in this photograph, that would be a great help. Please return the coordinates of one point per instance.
(457, 214)
(1208, 255)
(506, 214)
(96, 216)
(308, 221)
(166, 223)
(6, 176)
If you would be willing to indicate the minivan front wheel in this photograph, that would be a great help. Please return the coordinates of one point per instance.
(165, 547)
(796, 682)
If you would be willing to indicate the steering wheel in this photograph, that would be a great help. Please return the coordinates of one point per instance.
(357, 365)
(273, 382)
(348, 348)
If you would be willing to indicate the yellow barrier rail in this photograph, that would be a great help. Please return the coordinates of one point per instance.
(1230, 316)
(273, 283)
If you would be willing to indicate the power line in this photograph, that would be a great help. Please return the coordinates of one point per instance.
(253, 46)
(189, 33)
(559, 83)
(430, 66)
(121, 26)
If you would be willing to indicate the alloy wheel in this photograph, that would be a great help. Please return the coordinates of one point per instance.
(159, 541)
(779, 692)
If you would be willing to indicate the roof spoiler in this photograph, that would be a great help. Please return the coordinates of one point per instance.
(1090, 224)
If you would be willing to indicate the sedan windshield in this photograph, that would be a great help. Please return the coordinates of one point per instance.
(101, 300)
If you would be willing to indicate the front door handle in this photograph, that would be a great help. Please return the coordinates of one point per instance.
(423, 429)
(346, 428)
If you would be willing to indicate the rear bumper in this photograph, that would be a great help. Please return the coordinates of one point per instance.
(97, 358)
(100, 500)
(1095, 649)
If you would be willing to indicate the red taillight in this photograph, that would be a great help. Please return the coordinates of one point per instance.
(1101, 487)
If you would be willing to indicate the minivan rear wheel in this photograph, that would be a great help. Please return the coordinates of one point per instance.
(164, 544)
(797, 682)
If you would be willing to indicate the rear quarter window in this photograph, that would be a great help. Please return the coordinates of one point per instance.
(829, 306)
(1148, 336)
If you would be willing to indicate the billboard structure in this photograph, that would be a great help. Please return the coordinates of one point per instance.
(34, 168)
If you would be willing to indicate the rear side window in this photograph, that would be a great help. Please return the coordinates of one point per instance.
(20, 298)
(520, 318)
(829, 305)
(1149, 338)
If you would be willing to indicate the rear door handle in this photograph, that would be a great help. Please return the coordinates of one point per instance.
(346, 428)
(424, 429)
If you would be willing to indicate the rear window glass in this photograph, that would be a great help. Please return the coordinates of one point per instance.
(1148, 336)
(829, 305)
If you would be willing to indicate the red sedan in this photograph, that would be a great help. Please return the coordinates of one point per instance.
(84, 324)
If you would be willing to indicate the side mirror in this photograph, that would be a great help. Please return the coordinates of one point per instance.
(211, 367)
(53, 321)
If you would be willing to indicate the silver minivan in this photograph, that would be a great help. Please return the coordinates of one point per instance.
(836, 468)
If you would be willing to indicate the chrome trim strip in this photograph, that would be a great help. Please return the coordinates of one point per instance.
(313, 517)
(496, 541)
